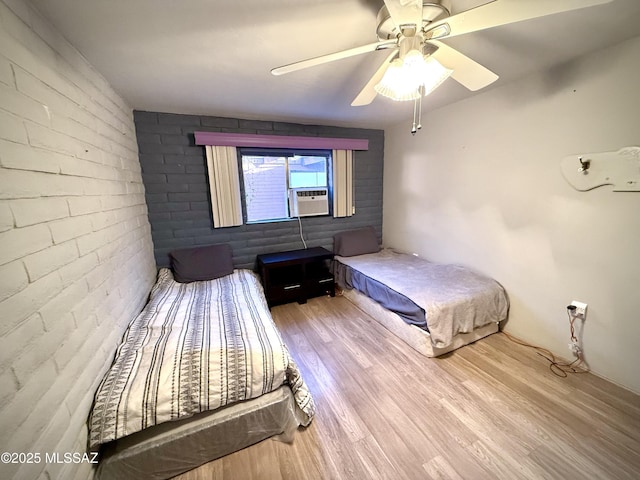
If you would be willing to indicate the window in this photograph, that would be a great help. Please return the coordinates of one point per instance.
(269, 174)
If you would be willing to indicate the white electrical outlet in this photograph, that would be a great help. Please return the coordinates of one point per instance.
(581, 309)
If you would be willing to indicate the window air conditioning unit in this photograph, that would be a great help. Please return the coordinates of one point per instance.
(308, 201)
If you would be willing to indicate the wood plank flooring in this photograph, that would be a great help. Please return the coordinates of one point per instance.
(491, 410)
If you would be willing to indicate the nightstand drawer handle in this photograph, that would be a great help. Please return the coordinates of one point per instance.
(291, 287)
(326, 280)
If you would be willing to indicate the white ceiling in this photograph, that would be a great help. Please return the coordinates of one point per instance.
(214, 57)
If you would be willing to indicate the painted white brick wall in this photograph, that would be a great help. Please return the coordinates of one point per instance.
(76, 257)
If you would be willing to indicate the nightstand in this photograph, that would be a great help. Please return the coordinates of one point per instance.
(296, 275)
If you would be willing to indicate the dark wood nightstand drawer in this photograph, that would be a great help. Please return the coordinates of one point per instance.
(277, 294)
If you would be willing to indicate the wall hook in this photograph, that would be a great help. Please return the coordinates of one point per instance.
(584, 166)
(620, 169)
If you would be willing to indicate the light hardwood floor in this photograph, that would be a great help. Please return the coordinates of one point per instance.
(491, 410)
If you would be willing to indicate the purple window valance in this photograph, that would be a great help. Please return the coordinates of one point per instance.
(279, 141)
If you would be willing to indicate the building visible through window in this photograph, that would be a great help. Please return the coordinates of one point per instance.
(268, 176)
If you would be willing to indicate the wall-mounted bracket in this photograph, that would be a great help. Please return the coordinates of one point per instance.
(591, 170)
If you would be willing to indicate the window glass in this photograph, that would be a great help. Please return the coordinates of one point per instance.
(307, 171)
(268, 178)
(265, 186)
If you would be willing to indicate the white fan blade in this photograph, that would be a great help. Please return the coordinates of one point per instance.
(405, 12)
(368, 93)
(502, 12)
(312, 62)
(467, 72)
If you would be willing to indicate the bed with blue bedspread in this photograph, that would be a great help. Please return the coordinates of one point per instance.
(435, 307)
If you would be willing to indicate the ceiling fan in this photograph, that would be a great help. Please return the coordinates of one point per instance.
(412, 31)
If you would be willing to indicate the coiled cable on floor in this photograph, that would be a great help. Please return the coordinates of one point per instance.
(559, 368)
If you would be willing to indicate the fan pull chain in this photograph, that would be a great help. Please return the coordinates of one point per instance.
(421, 91)
(414, 128)
(417, 112)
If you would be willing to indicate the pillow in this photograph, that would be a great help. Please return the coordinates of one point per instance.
(201, 263)
(356, 242)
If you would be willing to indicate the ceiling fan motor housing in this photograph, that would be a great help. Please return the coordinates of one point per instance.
(432, 10)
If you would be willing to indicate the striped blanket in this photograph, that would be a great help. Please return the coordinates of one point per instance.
(195, 347)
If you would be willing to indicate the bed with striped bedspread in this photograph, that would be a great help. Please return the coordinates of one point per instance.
(195, 347)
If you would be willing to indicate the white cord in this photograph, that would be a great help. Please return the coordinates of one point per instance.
(301, 237)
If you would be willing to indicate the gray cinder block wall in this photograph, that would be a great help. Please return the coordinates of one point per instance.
(76, 258)
(177, 192)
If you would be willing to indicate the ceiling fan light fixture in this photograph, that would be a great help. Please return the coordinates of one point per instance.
(433, 74)
(412, 59)
(412, 76)
(396, 84)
